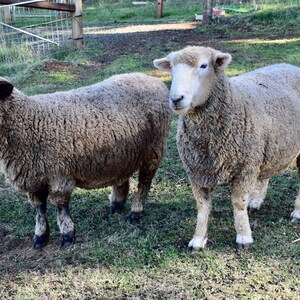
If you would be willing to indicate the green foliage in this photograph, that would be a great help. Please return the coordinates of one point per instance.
(15, 59)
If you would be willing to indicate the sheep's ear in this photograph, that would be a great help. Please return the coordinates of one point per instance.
(222, 60)
(6, 89)
(164, 64)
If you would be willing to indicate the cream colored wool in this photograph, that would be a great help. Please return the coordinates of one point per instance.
(91, 137)
(239, 130)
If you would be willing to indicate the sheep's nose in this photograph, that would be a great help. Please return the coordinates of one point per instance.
(177, 99)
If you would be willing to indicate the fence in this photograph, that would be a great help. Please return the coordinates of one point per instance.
(40, 24)
(56, 26)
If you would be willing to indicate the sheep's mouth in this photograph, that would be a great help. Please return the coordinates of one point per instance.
(181, 107)
(177, 107)
(180, 110)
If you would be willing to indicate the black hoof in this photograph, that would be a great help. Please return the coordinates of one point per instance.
(194, 250)
(252, 211)
(135, 218)
(295, 220)
(67, 240)
(40, 241)
(242, 247)
(116, 208)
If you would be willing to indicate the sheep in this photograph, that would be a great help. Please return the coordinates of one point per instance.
(239, 130)
(90, 137)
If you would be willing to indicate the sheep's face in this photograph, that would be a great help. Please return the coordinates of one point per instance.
(194, 71)
(6, 89)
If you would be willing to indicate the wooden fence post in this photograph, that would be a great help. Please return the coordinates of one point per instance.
(8, 15)
(159, 11)
(77, 24)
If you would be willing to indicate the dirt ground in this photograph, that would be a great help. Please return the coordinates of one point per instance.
(118, 41)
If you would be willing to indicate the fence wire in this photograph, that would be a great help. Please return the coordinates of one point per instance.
(37, 29)
(56, 26)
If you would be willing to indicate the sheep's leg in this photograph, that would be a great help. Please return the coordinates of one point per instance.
(239, 197)
(60, 191)
(66, 225)
(296, 213)
(146, 175)
(203, 198)
(258, 195)
(41, 233)
(118, 197)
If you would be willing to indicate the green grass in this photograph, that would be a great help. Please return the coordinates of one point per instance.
(247, 53)
(115, 260)
(108, 12)
(272, 20)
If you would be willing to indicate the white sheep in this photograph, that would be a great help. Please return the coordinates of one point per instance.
(90, 137)
(240, 130)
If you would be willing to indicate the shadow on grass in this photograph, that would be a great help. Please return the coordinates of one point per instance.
(168, 223)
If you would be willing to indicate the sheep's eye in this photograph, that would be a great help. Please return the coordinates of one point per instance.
(203, 66)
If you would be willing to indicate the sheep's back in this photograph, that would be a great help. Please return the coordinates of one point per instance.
(271, 97)
(97, 135)
(255, 126)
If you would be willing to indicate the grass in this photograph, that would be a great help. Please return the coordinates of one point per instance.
(115, 260)
(108, 12)
(272, 20)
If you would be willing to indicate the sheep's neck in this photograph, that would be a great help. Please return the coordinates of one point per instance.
(216, 110)
(208, 130)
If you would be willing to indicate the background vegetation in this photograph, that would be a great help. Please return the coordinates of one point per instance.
(114, 260)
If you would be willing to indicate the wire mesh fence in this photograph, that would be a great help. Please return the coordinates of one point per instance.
(37, 29)
(45, 28)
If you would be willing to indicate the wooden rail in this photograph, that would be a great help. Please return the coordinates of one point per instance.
(43, 5)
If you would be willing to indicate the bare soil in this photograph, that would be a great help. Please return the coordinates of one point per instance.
(118, 41)
(140, 40)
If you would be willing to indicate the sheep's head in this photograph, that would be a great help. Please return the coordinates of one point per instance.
(194, 71)
(6, 89)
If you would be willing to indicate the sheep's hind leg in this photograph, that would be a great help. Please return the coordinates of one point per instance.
(257, 195)
(203, 198)
(296, 213)
(146, 175)
(41, 233)
(118, 197)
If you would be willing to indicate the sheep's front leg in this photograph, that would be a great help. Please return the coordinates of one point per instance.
(41, 233)
(118, 197)
(239, 198)
(60, 193)
(203, 198)
(66, 226)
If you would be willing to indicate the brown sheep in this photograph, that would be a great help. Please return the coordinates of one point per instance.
(91, 137)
